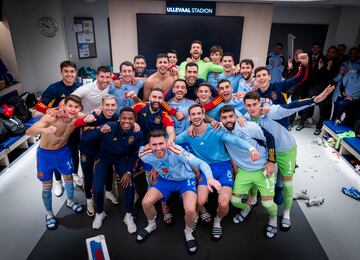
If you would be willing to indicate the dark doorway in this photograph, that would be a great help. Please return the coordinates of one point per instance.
(158, 33)
(305, 35)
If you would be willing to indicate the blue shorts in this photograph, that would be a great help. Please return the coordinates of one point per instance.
(221, 171)
(166, 187)
(50, 160)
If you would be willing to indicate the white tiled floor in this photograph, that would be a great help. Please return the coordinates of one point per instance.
(336, 223)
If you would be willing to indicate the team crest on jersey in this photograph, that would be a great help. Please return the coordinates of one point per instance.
(165, 170)
(157, 120)
(40, 175)
(144, 114)
(273, 95)
(131, 139)
(83, 158)
(115, 139)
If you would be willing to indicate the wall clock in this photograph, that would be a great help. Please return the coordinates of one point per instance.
(47, 26)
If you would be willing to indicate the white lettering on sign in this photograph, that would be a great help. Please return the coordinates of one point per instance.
(189, 10)
(178, 10)
(202, 10)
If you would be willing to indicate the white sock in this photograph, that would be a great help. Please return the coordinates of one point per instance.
(89, 201)
(49, 214)
(70, 202)
(128, 214)
(273, 221)
(196, 219)
(217, 222)
(188, 233)
(151, 226)
(286, 213)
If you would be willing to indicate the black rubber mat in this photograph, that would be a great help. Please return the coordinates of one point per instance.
(242, 241)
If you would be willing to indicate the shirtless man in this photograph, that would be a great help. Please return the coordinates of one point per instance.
(54, 153)
(161, 78)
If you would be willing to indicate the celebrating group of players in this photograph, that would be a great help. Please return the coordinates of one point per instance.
(194, 128)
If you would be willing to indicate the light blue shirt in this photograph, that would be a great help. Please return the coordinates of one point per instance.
(275, 67)
(120, 93)
(244, 86)
(210, 147)
(236, 103)
(183, 106)
(241, 157)
(284, 141)
(214, 78)
(176, 164)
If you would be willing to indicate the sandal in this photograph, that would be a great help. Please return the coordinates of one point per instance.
(190, 246)
(169, 219)
(239, 218)
(76, 207)
(143, 235)
(270, 231)
(205, 217)
(351, 192)
(216, 233)
(286, 222)
(51, 223)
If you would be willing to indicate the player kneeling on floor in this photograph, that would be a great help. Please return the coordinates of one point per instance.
(173, 166)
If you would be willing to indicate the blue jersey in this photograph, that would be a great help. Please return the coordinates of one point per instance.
(89, 144)
(121, 92)
(214, 78)
(252, 133)
(275, 64)
(351, 83)
(55, 92)
(183, 106)
(236, 103)
(275, 91)
(245, 87)
(210, 147)
(119, 144)
(176, 164)
(149, 121)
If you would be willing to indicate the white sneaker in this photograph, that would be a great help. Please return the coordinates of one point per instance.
(90, 207)
(58, 188)
(78, 180)
(97, 223)
(110, 196)
(129, 222)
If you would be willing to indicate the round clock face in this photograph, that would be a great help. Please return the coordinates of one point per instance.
(47, 26)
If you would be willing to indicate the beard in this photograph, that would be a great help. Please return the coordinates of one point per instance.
(230, 127)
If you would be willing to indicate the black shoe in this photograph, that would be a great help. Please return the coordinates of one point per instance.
(317, 131)
(300, 126)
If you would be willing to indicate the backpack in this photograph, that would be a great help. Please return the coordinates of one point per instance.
(14, 126)
(30, 99)
(21, 110)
